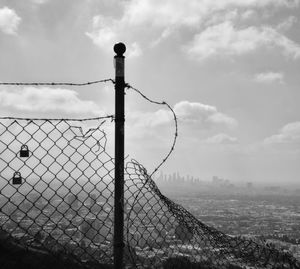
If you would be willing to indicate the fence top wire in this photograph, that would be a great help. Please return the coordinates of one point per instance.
(129, 223)
(58, 119)
(128, 86)
(55, 83)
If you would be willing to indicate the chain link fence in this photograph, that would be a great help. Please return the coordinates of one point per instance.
(162, 234)
(56, 182)
(56, 195)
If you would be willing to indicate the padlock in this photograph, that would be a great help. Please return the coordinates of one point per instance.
(17, 178)
(24, 152)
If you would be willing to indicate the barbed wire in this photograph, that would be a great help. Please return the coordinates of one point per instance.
(59, 119)
(249, 251)
(56, 83)
(164, 103)
(128, 86)
(75, 175)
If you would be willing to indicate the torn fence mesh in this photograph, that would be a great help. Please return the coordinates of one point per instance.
(56, 195)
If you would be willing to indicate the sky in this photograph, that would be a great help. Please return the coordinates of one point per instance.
(228, 68)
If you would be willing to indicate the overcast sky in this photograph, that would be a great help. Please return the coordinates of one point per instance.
(229, 68)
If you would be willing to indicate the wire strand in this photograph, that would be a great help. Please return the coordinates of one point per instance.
(56, 83)
(58, 119)
(128, 86)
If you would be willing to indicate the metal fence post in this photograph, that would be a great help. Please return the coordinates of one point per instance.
(119, 49)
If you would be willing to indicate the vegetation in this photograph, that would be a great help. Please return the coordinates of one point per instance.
(185, 263)
(15, 256)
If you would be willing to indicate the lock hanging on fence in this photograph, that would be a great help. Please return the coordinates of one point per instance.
(17, 178)
(24, 152)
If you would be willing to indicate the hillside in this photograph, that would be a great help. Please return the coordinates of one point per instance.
(15, 256)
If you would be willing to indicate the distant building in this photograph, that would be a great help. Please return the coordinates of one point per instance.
(249, 185)
(217, 180)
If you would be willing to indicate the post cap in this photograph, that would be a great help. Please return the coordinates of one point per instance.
(119, 49)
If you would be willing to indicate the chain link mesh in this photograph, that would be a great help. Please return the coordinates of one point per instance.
(56, 196)
(57, 186)
(161, 233)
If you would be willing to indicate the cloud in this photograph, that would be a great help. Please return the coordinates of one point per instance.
(134, 50)
(45, 100)
(149, 119)
(9, 21)
(190, 116)
(249, 14)
(39, 2)
(107, 31)
(269, 77)
(104, 32)
(220, 17)
(221, 139)
(163, 18)
(225, 39)
(188, 13)
(202, 115)
(289, 134)
(287, 24)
